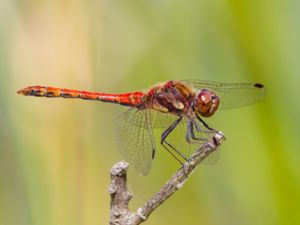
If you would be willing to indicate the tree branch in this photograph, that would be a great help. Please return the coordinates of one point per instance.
(120, 196)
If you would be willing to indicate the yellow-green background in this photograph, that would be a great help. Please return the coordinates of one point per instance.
(55, 154)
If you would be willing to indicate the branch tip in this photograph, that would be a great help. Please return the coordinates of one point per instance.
(119, 169)
(120, 197)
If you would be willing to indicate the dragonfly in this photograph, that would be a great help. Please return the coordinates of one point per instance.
(177, 106)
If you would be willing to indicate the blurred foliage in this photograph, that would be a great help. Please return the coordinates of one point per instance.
(55, 154)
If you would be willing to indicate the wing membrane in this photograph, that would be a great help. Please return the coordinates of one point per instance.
(135, 139)
(232, 95)
(156, 119)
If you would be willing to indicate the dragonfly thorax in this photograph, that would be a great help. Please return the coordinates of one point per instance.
(170, 97)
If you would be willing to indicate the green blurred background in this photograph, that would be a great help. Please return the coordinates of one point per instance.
(55, 154)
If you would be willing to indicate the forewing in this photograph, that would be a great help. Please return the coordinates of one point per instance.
(232, 95)
(135, 139)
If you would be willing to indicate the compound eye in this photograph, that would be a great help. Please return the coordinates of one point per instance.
(206, 103)
(205, 98)
(215, 99)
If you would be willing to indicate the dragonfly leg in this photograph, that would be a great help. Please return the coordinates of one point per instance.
(197, 126)
(198, 129)
(172, 154)
(179, 153)
(169, 130)
(205, 124)
(174, 149)
(190, 134)
(165, 135)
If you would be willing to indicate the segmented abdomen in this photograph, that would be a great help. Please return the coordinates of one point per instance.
(128, 99)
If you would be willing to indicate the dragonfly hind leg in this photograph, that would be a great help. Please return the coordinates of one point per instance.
(165, 144)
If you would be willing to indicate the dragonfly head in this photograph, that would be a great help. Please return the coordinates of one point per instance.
(206, 102)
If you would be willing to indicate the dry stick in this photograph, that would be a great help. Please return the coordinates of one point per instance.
(120, 196)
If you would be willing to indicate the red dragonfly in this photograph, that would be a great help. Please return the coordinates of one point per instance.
(177, 106)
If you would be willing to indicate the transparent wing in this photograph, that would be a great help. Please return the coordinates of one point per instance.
(135, 139)
(158, 119)
(232, 95)
(162, 120)
(177, 138)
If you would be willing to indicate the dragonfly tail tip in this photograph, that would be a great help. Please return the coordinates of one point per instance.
(24, 91)
(20, 91)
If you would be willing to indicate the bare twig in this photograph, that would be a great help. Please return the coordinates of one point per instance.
(120, 196)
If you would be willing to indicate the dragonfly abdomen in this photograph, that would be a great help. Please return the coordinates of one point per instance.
(128, 99)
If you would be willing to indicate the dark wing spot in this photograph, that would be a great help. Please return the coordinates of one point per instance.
(258, 85)
(153, 153)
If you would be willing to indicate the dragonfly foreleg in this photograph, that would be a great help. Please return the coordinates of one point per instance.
(205, 124)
